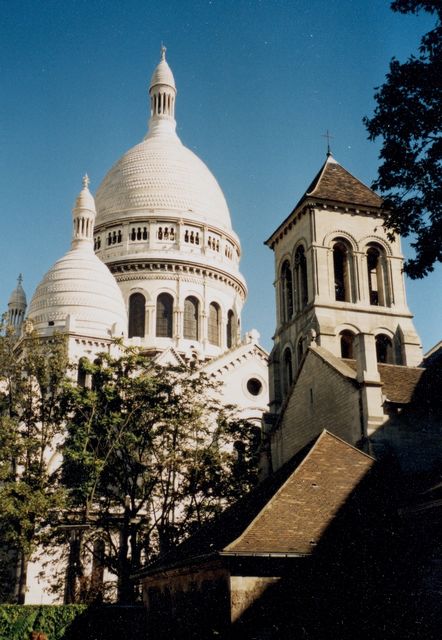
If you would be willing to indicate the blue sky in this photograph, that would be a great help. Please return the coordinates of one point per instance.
(259, 82)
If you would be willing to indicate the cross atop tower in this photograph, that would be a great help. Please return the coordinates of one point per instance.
(163, 51)
(329, 137)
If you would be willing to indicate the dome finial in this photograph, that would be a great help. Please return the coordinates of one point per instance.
(86, 181)
(163, 51)
(20, 278)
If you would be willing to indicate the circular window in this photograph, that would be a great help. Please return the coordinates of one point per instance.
(254, 386)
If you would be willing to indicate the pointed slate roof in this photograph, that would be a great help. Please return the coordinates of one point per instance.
(333, 182)
(286, 514)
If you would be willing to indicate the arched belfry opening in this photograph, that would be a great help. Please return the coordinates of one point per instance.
(301, 280)
(342, 270)
(378, 288)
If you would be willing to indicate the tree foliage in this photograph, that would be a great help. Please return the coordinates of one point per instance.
(408, 117)
(32, 375)
(150, 455)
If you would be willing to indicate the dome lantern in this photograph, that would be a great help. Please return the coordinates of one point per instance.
(83, 215)
(17, 305)
(162, 93)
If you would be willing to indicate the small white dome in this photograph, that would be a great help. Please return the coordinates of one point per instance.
(79, 291)
(161, 174)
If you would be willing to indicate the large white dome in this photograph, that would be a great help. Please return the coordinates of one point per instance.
(161, 174)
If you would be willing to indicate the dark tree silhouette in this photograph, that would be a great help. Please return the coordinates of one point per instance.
(408, 117)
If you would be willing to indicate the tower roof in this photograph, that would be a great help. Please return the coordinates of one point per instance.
(18, 297)
(333, 182)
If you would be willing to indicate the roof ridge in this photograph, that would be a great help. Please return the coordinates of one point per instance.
(351, 446)
(317, 179)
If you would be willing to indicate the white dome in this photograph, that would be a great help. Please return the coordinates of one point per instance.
(161, 174)
(79, 292)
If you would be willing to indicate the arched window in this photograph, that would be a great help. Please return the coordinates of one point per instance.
(191, 309)
(82, 375)
(231, 329)
(164, 316)
(342, 265)
(214, 323)
(288, 369)
(286, 292)
(384, 349)
(300, 350)
(347, 339)
(301, 290)
(137, 315)
(377, 276)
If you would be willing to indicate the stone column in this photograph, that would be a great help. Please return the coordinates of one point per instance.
(370, 383)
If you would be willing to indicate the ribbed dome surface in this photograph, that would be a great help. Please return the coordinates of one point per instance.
(81, 286)
(161, 174)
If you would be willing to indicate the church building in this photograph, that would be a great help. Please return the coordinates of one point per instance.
(154, 261)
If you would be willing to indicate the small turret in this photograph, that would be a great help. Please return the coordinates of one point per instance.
(17, 306)
(83, 215)
(162, 93)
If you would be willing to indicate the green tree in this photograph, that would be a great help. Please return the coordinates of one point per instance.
(32, 374)
(408, 117)
(150, 456)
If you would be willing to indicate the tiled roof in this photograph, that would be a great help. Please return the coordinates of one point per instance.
(287, 513)
(295, 518)
(398, 382)
(333, 182)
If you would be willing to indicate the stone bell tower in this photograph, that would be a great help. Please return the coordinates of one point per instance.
(338, 277)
